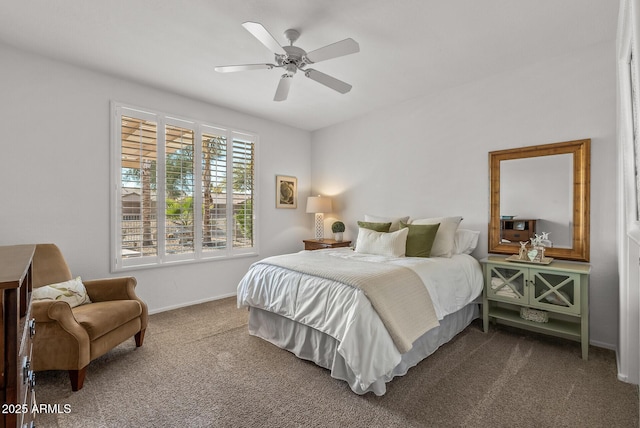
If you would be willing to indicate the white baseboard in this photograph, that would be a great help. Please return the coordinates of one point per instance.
(603, 345)
(195, 302)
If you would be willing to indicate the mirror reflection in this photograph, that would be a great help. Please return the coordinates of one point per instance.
(536, 195)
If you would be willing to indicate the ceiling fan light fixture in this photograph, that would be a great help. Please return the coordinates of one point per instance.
(291, 69)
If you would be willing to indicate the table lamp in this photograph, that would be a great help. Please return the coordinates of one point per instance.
(319, 205)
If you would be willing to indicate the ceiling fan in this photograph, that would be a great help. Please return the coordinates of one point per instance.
(292, 58)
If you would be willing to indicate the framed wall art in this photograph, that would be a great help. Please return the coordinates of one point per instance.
(286, 192)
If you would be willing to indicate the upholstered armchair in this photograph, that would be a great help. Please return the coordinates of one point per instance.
(70, 338)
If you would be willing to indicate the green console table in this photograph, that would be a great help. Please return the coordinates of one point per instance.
(558, 292)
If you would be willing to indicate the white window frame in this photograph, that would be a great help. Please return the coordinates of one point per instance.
(628, 228)
(118, 263)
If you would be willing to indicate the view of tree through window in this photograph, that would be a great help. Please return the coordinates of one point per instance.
(243, 192)
(179, 187)
(138, 171)
(214, 190)
(184, 193)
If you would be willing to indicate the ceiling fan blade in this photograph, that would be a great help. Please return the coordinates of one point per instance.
(283, 88)
(245, 67)
(265, 37)
(328, 81)
(341, 48)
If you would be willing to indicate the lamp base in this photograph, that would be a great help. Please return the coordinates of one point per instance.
(319, 226)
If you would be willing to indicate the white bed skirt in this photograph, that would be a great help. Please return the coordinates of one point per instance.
(310, 344)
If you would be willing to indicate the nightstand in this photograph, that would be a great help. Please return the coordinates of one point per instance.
(317, 244)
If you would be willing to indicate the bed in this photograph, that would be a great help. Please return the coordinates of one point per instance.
(320, 315)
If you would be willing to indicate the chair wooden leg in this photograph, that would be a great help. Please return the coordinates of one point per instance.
(140, 337)
(77, 378)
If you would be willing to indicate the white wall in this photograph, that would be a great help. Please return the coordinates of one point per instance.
(55, 173)
(429, 156)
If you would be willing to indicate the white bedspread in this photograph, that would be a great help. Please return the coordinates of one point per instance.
(397, 293)
(346, 314)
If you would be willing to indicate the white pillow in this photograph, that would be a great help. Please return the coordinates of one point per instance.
(395, 221)
(72, 292)
(465, 241)
(443, 244)
(392, 244)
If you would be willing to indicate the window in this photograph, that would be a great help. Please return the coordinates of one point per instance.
(633, 132)
(182, 190)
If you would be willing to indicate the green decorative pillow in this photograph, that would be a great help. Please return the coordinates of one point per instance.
(72, 292)
(420, 239)
(395, 221)
(378, 227)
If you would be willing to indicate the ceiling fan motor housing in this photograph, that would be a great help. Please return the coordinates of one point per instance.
(293, 60)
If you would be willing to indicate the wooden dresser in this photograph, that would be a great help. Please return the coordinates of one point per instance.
(17, 380)
(517, 230)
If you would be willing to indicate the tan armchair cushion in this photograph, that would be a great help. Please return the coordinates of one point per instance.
(111, 289)
(102, 317)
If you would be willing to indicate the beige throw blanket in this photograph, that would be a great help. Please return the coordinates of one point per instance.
(396, 292)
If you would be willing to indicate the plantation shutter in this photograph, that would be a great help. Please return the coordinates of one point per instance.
(243, 192)
(179, 190)
(214, 189)
(182, 190)
(138, 169)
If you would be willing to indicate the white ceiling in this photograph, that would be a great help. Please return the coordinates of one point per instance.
(408, 48)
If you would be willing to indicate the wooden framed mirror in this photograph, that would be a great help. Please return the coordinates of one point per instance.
(537, 188)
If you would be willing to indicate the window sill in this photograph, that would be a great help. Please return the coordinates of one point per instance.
(183, 262)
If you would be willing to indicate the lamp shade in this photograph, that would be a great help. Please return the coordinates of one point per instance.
(318, 204)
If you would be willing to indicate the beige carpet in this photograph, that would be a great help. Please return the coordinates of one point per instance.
(200, 368)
